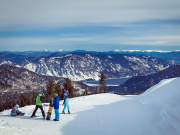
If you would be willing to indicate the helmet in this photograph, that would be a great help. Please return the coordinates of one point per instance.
(17, 105)
(43, 94)
(55, 94)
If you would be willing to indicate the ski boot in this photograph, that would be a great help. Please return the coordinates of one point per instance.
(69, 112)
(63, 112)
(33, 116)
(55, 120)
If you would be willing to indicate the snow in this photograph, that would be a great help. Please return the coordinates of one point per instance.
(155, 112)
(160, 51)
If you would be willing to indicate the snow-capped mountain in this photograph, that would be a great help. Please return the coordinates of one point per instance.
(139, 84)
(89, 66)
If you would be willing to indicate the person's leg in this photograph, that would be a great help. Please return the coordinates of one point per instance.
(68, 105)
(42, 111)
(19, 113)
(64, 107)
(56, 114)
(68, 108)
(35, 111)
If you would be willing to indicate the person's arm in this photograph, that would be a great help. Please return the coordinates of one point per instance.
(42, 99)
(18, 111)
(64, 100)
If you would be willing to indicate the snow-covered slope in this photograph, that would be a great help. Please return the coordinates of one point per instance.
(155, 112)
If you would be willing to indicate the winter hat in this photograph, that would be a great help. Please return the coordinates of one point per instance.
(55, 94)
(17, 105)
(43, 94)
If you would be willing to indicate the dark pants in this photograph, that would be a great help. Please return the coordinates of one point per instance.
(39, 106)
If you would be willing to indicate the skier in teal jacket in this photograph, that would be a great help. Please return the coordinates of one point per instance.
(15, 111)
(66, 102)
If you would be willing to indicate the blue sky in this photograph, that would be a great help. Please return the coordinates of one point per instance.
(94, 25)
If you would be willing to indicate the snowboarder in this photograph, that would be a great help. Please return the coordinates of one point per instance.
(66, 102)
(15, 111)
(39, 100)
(56, 106)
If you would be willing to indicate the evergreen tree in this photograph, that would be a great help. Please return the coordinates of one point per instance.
(58, 89)
(29, 101)
(10, 104)
(151, 82)
(1, 108)
(96, 91)
(23, 100)
(50, 89)
(14, 103)
(102, 84)
(86, 92)
(34, 98)
(6, 105)
(105, 89)
(68, 86)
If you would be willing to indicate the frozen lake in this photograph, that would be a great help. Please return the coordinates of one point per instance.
(109, 82)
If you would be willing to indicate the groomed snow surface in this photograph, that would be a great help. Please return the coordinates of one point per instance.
(155, 112)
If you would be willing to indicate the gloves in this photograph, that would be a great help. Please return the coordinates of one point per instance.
(62, 104)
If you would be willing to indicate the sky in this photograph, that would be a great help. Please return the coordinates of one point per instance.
(92, 25)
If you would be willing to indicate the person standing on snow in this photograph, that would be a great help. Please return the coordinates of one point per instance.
(66, 102)
(15, 111)
(56, 106)
(39, 100)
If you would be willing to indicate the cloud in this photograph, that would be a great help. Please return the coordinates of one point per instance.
(92, 22)
(81, 12)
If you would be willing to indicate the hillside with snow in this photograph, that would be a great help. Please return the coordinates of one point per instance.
(155, 112)
(90, 66)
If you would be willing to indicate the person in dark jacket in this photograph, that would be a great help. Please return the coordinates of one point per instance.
(39, 100)
(56, 106)
(66, 102)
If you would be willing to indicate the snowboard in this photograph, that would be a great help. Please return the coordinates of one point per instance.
(22, 114)
(48, 117)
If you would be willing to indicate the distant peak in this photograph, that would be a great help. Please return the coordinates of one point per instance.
(116, 50)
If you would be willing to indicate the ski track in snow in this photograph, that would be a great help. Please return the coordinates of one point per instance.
(155, 112)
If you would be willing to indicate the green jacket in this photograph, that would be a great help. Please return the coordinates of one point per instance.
(38, 99)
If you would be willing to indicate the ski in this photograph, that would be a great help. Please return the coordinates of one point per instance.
(34, 117)
(67, 113)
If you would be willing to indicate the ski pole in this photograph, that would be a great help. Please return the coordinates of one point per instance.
(32, 110)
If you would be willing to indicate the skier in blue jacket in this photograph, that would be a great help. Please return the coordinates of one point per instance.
(56, 106)
(66, 102)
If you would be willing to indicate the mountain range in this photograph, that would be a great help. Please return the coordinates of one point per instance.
(81, 65)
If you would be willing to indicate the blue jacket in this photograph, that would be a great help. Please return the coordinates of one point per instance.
(15, 111)
(56, 102)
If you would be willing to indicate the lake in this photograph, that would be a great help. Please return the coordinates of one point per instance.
(109, 82)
